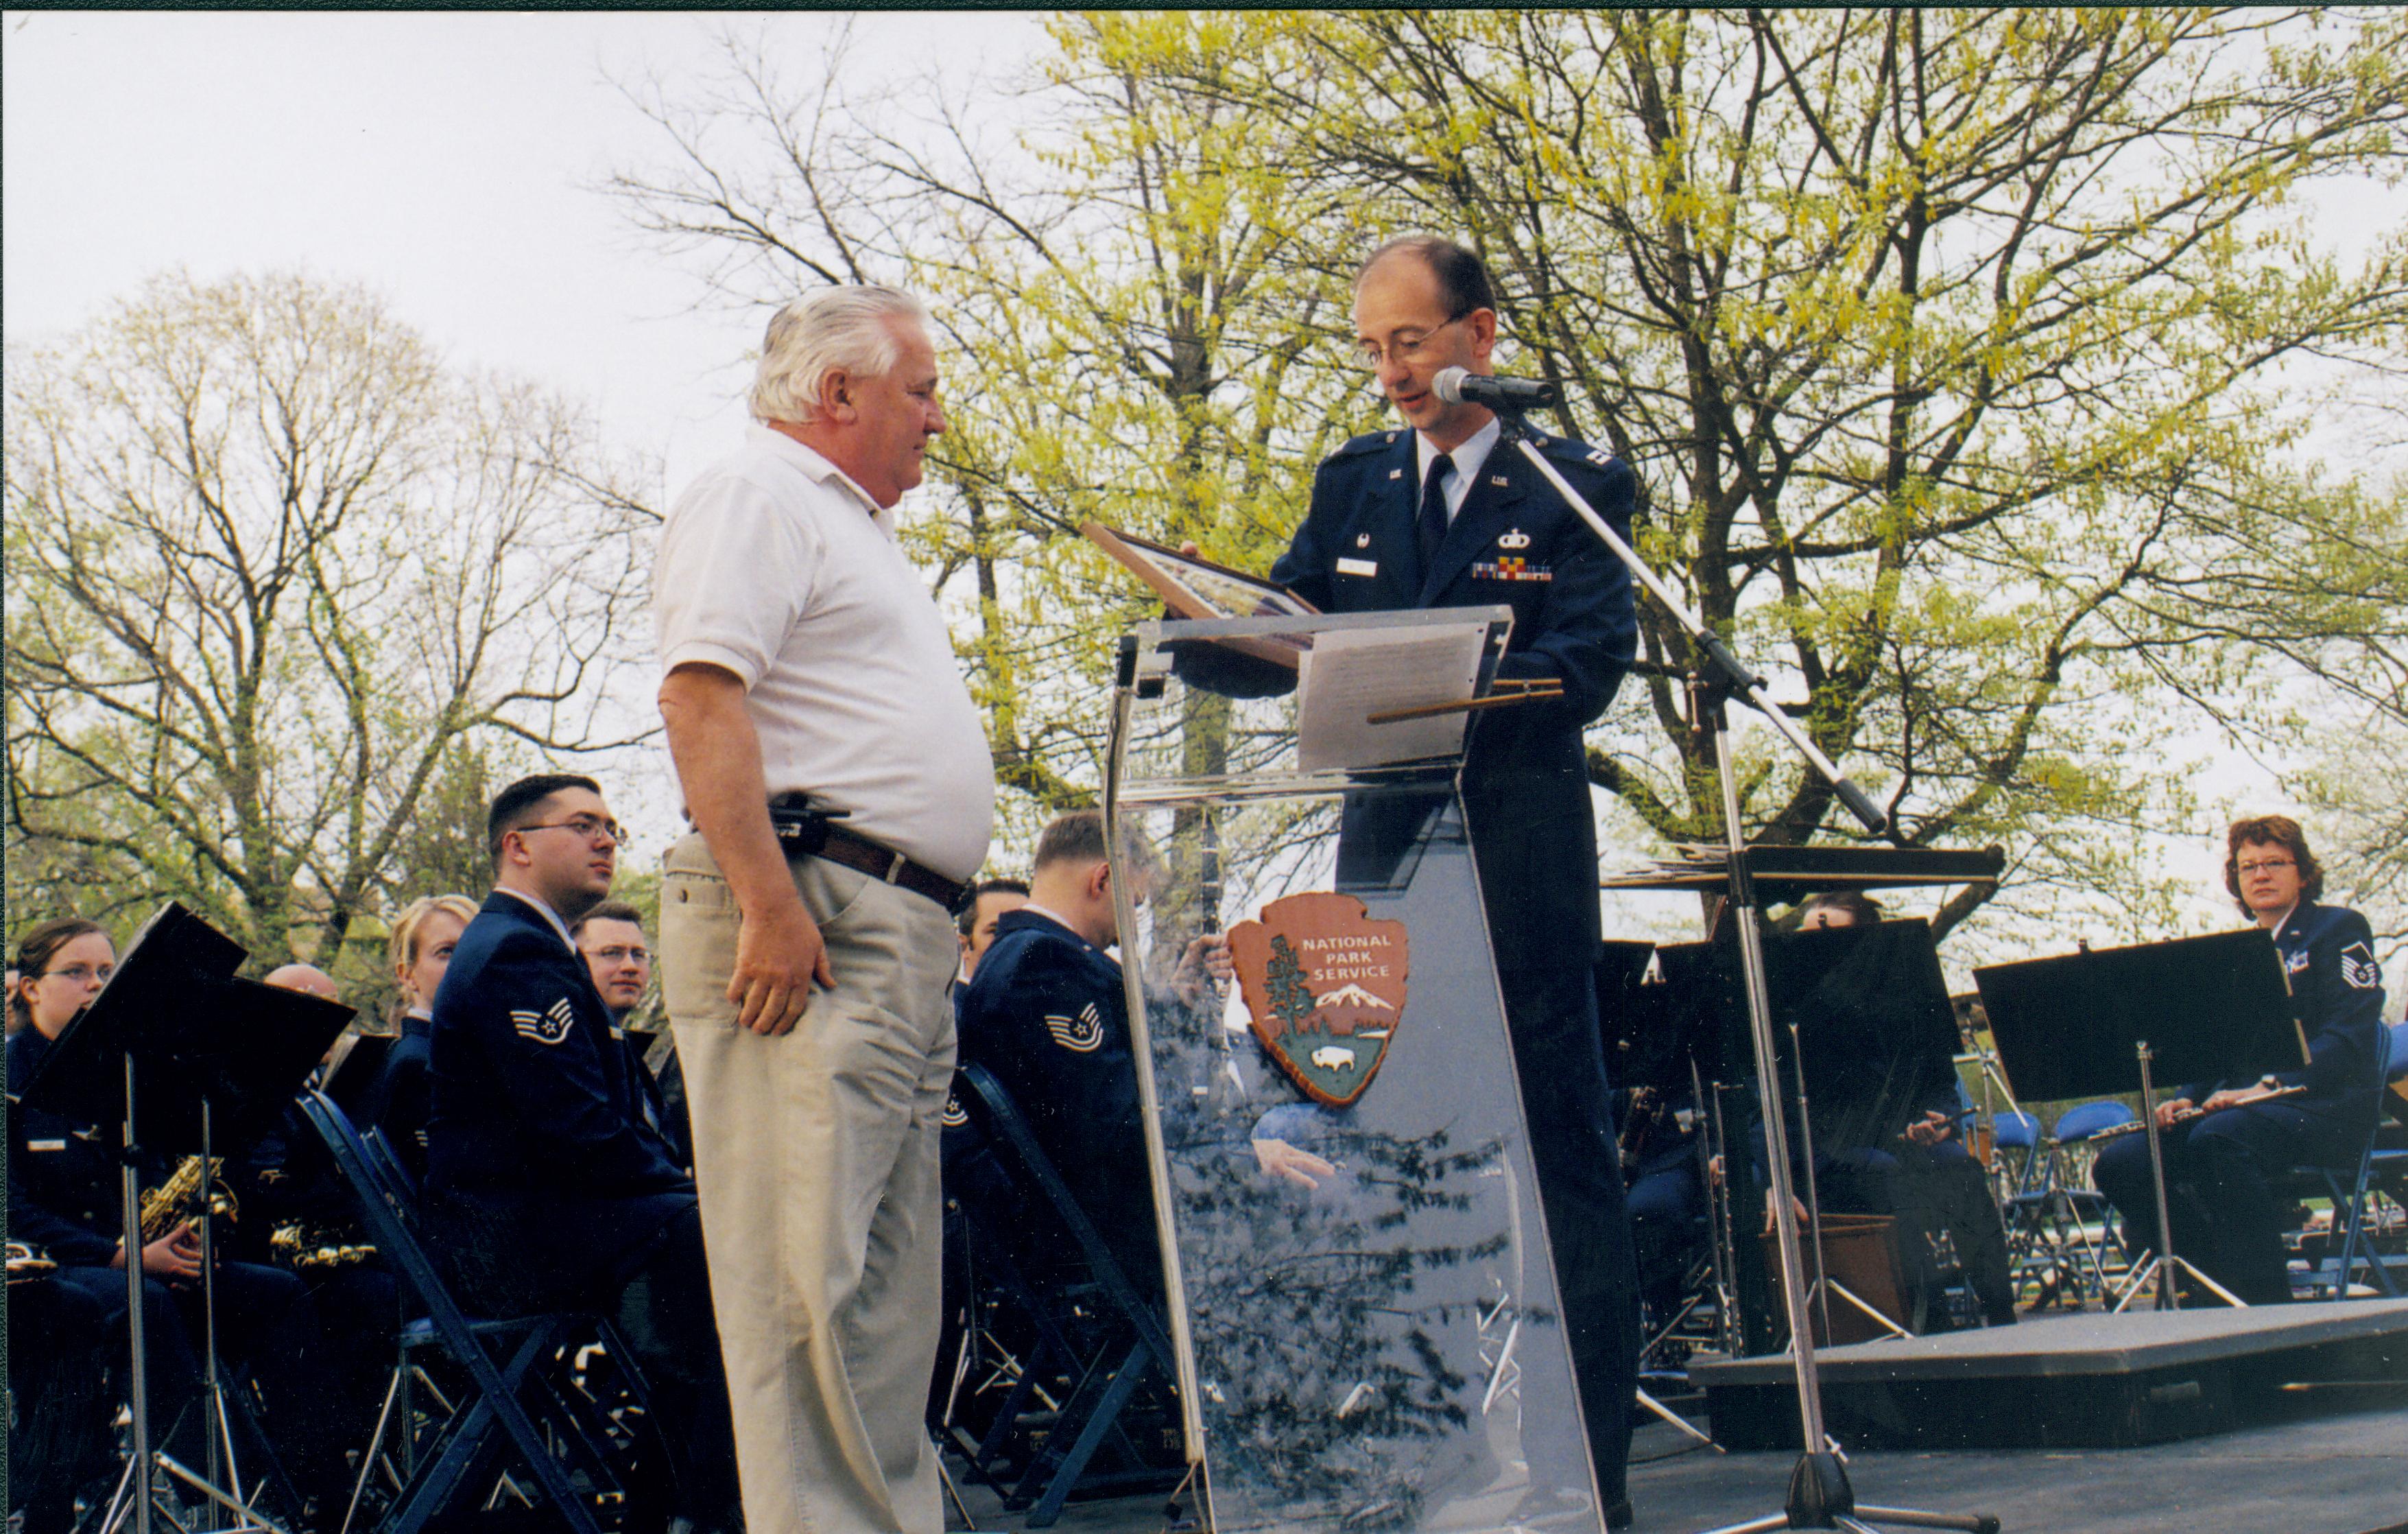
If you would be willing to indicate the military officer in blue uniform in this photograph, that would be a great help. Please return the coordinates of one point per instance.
(1045, 1011)
(1448, 513)
(549, 1186)
(2218, 1168)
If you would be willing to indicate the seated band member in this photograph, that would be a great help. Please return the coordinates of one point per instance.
(1920, 1174)
(546, 1188)
(1046, 1012)
(610, 937)
(64, 1196)
(990, 898)
(419, 948)
(2226, 1218)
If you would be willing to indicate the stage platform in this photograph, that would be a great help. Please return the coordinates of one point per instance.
(2340, 1471)
(2090, 1380)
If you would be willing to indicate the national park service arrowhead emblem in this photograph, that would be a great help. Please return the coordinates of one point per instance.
(1325, 987)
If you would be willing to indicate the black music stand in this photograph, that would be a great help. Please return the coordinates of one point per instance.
(1848, 997)
(2103, 1021)
(1652, 1045)
(216, 1059)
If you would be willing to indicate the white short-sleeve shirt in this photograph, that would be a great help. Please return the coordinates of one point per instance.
(776, 566)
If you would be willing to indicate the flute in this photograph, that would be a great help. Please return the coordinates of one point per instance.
(2187, 1114)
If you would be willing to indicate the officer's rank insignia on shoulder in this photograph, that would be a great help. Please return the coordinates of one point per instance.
(1324, 985)
(2359, 970)
(1367, 442)
(548, 1026)
(1083, 1034)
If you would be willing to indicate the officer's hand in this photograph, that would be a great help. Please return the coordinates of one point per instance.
(2166, 1110)
(779, 954)
(2219, 1101)
(1279, 1159)
(1190, 550)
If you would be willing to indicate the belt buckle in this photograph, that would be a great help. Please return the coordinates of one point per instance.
(895, 869)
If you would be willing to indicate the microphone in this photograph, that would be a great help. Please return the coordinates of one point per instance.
(1459, 386)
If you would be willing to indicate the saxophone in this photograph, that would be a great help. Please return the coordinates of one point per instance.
(301, 1247)
(171, 1202)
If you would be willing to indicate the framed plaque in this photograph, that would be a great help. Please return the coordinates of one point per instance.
(1197, 589)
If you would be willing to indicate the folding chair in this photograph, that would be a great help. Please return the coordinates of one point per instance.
(2350, 1202)
(575, 1450)
(1125, 1343)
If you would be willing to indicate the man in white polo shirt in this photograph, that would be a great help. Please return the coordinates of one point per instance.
(840, 788)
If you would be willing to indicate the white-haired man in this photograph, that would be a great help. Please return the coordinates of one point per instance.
(840, 788)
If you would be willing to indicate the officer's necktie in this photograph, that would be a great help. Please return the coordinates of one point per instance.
(1429, 527)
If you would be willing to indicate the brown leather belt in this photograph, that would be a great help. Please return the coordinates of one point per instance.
(819, 836)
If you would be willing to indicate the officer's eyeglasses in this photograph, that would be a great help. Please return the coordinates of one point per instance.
(81, 974)
(2261, 866)
(591, 827)
(615, 955)
(1402, 346)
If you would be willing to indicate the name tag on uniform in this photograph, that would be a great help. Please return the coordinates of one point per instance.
(46, 1145)
(1357, 566)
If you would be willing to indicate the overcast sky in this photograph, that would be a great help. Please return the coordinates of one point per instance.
(444, 160)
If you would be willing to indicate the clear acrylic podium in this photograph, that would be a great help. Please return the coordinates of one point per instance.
(1383, 1351)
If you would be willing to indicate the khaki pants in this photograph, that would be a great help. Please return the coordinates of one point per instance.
(817, 1158)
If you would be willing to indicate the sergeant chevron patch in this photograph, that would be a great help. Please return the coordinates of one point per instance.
(548, 1026)
(2359, 970)
(1083, 1034)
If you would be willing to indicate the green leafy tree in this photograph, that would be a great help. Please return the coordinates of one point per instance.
(1964, 354)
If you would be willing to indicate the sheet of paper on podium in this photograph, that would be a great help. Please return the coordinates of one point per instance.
(1351, 674)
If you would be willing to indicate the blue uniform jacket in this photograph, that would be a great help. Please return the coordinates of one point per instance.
(1046, 1013)
(533, 1112)
(2328, 954)
(1525, 776)
(62, 1185)
(396, 1104)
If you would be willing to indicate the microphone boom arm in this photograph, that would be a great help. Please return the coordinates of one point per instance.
(1724, 667)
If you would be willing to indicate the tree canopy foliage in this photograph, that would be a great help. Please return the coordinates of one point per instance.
(1967, 354)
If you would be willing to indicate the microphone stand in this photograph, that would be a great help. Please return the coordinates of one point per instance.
(1820, 1496)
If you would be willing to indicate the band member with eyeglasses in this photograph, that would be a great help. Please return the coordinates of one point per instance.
(64, 1196)
(537, 1126)
(841, 789)
(610, 937)
(1440, 511)
(2220, 1166)
(990, 901)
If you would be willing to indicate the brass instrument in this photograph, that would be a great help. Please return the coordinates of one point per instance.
(2190, 1114)
(172, 1201)
(27, 1263)
(301, 1247)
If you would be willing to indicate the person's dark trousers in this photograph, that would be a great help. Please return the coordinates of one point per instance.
(267, 1325)
(2226, 1217)
(664, 1314)
(1552, 1015)
(1666, 1207)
